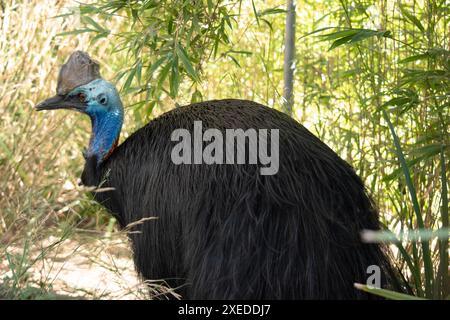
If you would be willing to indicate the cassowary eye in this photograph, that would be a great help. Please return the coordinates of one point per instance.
(102, 99)
(82, 97)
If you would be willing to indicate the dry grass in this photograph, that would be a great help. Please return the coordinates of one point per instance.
(42, 254)
(78, 267)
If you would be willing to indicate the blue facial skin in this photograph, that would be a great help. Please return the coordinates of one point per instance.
(106, 112)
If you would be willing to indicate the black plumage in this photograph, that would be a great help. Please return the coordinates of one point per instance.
(227, 232)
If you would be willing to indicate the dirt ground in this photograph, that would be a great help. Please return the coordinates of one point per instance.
(74, 268)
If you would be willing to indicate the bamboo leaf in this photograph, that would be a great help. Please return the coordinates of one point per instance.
(371, 236)
(210, 6)
(364, 35)
(340, 42)
(163, 74)
(247, 53)
(352, 36)
(234, 60)
(90, 21)
(411, 18)
(271, 11)
(186, 62)
(74, 32)
(415, 58)
(139, 71)
(340, 34)
(196, 96)
(386, 293)
(174, 79)
(156, 65)
(316, 31)
(130, 78)
(425, 245)
(255, 12)
(398, 101)
(268, 23)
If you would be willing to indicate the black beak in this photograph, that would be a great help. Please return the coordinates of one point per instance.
(62, 102)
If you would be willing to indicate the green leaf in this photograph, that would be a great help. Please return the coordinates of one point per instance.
(428, 264)
(90, 9)
(271, 11)
(398, 101)
(340, 42)
(415, 58)
(196, 96)
(365, 34)
(186, 62)
(411, 18)
(163, 74)
(174, 79)
(255, 12)
(348, 73)
(210, 6)
(268, 23)
(150, 5)
(371, 236)
(170, 25)
(316, 31)
(74, 32)
(139, 71)
(386, 293)
(352, 36)
(134, 14)
(90, 21)
(338, 34)
(247, 53)
(156, 65)
(98, 36)
(227, 20)
(130, 78)
(428, 151)
(234, 60)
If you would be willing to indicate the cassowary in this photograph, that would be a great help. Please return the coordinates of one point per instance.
(225, 231)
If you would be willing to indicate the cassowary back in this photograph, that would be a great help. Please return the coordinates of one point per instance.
(228, 232)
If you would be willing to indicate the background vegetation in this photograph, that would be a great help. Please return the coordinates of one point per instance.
(371, 80)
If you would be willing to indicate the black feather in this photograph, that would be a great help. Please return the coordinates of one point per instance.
(227, 232)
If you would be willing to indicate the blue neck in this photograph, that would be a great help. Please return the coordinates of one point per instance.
(105, 134)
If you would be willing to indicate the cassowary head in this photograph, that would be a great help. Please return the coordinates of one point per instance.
(81, 88)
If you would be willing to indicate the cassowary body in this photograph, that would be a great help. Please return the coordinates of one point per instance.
(224, 231)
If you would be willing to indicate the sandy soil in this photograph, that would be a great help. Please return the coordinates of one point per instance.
(79, 268)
